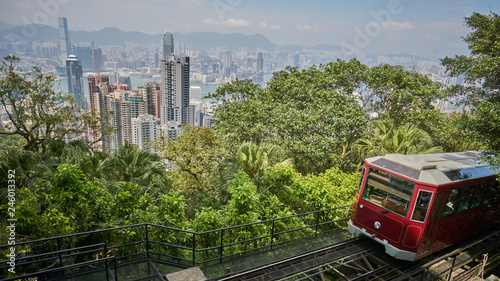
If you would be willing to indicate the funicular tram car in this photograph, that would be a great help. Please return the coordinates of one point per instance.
(416, 205)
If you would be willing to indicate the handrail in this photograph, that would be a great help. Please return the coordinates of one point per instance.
(183, 247)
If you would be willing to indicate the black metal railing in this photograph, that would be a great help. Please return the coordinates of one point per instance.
(104, 250)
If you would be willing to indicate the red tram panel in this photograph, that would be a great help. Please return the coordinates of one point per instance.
(416, 205)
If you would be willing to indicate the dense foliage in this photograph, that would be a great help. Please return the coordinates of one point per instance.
(481, 70)
(291, 147)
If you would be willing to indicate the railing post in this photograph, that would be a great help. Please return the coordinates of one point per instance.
(116, 269)
(59, 251)
(106, 262)
(317, 223)
(194, 249)
(147, 241)
(272, 234)
(221, 249)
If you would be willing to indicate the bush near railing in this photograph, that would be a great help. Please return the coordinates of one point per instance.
(175, 246)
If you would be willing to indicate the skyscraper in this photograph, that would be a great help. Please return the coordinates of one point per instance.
(75, 82)
(64, 40)
(85, 56)
(149, 92)
(168, 45)
(259, 77)
(175, 84)
(260, 63)
(175, 90)
(97, 59)
(227, 61)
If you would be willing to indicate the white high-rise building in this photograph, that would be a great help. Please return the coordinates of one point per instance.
(144, 129)
(175, 86)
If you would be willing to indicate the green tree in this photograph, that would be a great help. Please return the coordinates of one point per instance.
(193, 152)
(255, 159)
(191, 158)
(307, 113)
(132, 164)
(36, 112)
(396, 94)
(481, 67)
(385, 137)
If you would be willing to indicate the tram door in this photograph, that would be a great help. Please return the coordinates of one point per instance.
(432, 224)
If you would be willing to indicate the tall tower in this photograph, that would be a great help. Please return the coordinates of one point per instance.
(260, 63)
(175, 85)
(175, 90)
(168, 45)
(64, 40)
(75, 82)
(227, 61)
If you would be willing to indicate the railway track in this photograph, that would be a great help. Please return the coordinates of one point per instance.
(358, 259)
(354, 256)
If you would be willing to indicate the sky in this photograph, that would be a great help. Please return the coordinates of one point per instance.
(428, 28)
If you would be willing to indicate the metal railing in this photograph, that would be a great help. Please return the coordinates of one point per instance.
(96, 250)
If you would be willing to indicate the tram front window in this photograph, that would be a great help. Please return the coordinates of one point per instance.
(388, 191)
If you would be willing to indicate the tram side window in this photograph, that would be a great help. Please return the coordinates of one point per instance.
(421, 206)
(477, 194)
(491, 192)
(465, 197)
(452, 203)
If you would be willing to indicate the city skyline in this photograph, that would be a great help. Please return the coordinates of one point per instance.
(424, 28)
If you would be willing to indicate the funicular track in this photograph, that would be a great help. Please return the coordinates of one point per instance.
(354, 253)
(364, 259)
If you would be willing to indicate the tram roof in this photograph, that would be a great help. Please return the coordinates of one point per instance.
(436, 168)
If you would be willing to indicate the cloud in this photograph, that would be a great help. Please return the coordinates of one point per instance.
(397, 26)
(305, 28)
(431, 36)
(264, 25)
(227, 23)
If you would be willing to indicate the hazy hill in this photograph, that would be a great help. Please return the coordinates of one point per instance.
(5, 25)
(115, 36)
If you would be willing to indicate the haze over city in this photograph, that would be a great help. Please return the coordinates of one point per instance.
(424, 28)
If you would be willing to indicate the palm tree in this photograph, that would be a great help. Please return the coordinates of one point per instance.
(255, 159)
(132, 164)
(385, 138)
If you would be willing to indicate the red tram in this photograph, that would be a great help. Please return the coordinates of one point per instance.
(416, 205)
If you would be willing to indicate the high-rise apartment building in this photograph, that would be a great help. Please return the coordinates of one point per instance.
(151, 94)
(93, 82)
(131, 106)
(175, 90)
(144, 130)
(75, 79)
(175, 84)
(102, 105)
(64, 40)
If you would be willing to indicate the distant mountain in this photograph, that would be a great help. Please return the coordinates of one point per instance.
(115, 36)
(34, 32)
(326, 47)
(5, 25)
(233, 41)
(292, 48)
(322, 47)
